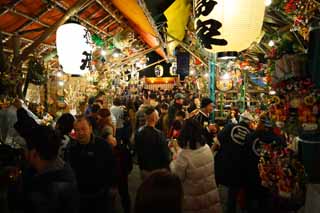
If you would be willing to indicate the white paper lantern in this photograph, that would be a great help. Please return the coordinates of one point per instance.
(173, 69)
(74, 48)
(158, 70)
(228, 25)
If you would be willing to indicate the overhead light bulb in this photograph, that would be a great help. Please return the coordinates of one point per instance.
(271, 43)
(206, 75)
(59, 74)
(116, 53)
(268, 2)
(103, 53)
(192, 72)
(226, 76)
(272, 92)
(61, 83)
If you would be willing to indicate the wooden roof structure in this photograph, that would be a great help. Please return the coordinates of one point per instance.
(29, 26)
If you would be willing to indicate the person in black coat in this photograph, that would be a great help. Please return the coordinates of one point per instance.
(259, 198)
(51, 187)
(202, 115)
(94, 165)
(151, 145)
(229, 160)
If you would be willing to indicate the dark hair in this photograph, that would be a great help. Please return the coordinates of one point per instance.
(104, 113)
(191, 134)
(45, 141)
(181, 114)
(99, 101)
(153, 96)
(25, 123)
(149, 110)
(83, 118)
(116, 101)
(91, 100)
(164, 106)
(160, 192)
(95, 108)
(65, 123)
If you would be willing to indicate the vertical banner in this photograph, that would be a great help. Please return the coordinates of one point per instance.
(183, 60)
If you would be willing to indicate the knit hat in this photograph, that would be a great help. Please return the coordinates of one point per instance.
(178, 96)
(246, 117)
(205, 102)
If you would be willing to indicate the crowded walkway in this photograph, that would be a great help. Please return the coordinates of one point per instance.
(101, 160)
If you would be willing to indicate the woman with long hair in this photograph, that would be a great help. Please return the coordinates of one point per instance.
(194, 165)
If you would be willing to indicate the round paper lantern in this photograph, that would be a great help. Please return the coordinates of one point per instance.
(158, 70)
(74, 48)
(228, 25)
(173, 69)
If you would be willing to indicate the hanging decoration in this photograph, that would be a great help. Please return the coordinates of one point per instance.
(74, 48)
(228, 25)
(301, 12)
(123, 39)
(173, 69)
(97, 40)
(158, 70)
(35, 72)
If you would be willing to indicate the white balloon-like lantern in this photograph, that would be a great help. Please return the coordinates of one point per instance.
(228, 25)
(74, 48)
(158, 70)
(173, 69)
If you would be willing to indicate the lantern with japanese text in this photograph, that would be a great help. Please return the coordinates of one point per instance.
(158, 70)
(74, 48)
(228, 25)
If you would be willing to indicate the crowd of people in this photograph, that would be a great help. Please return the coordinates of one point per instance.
(187, 162)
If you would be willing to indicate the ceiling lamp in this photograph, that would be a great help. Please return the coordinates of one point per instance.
(158, 70)
(228, 25)
(74, 48)
(116, 53)
(268, 2)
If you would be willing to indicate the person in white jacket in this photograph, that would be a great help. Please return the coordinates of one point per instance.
(194, 165)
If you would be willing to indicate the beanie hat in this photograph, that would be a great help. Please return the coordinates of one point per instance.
(205, 102)
(179, 96)
(246, 117)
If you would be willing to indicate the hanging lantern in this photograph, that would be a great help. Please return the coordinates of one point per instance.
(158, 70)
(228, 25)
(74, 48)
(173, 69)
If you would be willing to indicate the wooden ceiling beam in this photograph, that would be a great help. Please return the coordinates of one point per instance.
(63, 9)
(110, 24)
(17, 12)
(102, 20)
(27, 40)
(94, 13)
(41, 13)
(110, 12)
(10, 5)
(72, 11)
